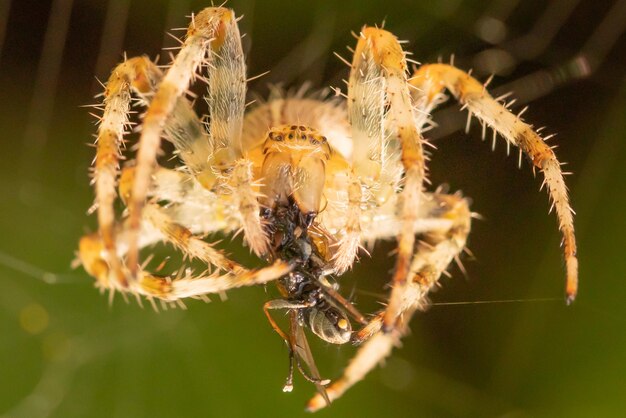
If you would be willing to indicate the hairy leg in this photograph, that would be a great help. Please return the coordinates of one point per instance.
(184, 129)
(190, 209)
(434, 253)
(431, 79)
(171, 289)
(379, 58)
(214, 32)
(138, 75)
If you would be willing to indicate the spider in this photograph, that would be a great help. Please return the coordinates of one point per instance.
(307, 181)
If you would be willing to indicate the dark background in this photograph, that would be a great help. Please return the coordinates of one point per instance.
(65, 353)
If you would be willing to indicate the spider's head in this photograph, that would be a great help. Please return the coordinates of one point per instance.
(294, 165)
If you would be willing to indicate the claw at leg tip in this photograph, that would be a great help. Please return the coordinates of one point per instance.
(569, 299)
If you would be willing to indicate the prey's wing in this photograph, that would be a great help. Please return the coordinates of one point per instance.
(302, 349)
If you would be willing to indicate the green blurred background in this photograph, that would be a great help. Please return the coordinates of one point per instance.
(65, 353)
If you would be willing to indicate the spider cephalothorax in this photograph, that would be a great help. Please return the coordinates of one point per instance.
(308, 182)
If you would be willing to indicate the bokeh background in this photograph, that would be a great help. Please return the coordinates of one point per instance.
(498, 342)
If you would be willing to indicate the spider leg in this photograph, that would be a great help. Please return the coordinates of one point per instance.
(186, 202)
(376, 72)
(434, 252)
(349, 244)
(190, 245)
(213, 31)
(169, 184)
(172, 186)
(172, 289)
(134, 75)
(379, 57)
(140, 76)
(377, 81)
(433, 255)
(191, 285)
(430, 80)
(190, 209)
(244, 191)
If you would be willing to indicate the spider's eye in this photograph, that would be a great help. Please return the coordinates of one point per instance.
(278, 138)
